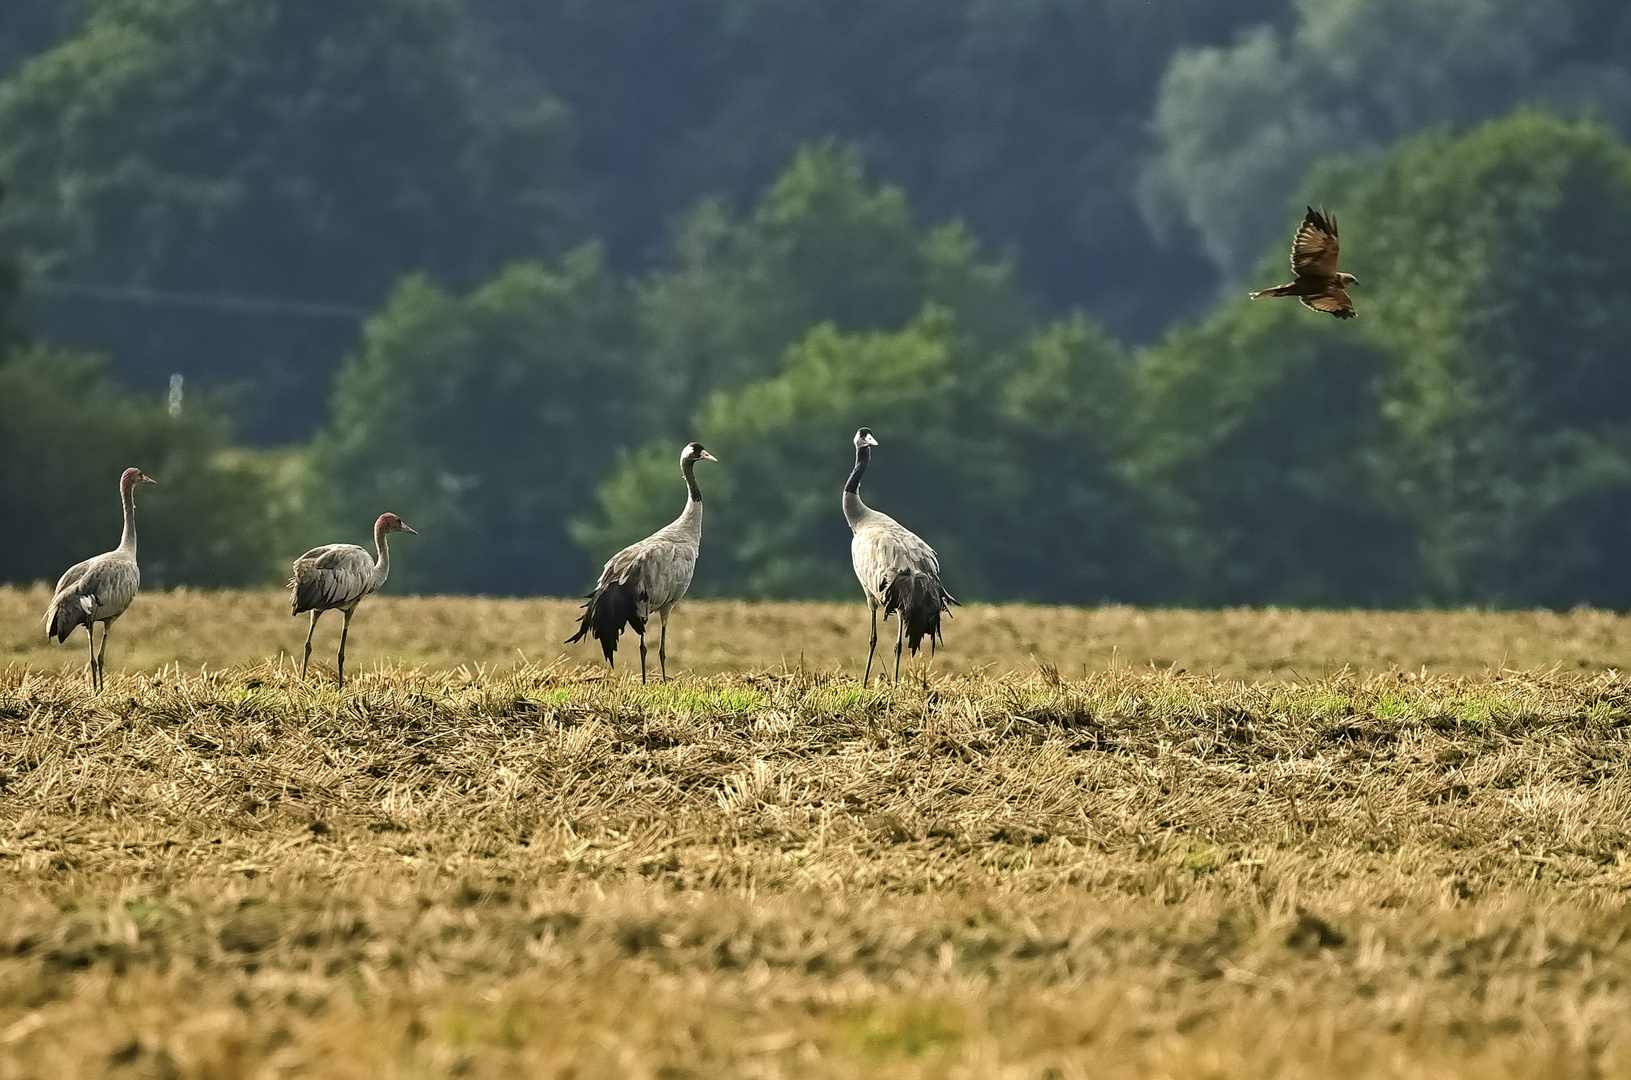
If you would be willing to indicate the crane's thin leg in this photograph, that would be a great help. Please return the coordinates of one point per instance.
(344, 630)
(662, 650)
(309, 633)
(642, 659)
(900, 639)
(90, 640)
(102, 656)
(873, 605)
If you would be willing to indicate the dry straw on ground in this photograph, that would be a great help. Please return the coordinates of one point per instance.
(191, 629)
(542, 872)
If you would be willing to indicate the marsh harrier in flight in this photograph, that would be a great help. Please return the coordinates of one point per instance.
(1314, 258)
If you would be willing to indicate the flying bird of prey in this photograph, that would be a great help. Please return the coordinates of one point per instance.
(1314, 258)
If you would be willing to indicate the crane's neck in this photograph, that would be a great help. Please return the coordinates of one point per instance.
(691, 517)
(127, 540)
(382, 563)
(856, 511)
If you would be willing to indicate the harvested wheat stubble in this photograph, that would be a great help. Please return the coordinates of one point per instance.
(222, 629)
(547, 873)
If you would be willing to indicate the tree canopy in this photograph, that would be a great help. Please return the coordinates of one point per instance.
(287, 161)
(1238, 126)
(504, 258)
(824, 245)
(1498, 258)
(485, 420)
(1024, 119)
(217, 517)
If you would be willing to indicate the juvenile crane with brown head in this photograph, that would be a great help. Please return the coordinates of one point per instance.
(100, 590)
(337, 577)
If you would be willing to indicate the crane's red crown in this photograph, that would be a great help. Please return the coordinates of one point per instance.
(389, 523)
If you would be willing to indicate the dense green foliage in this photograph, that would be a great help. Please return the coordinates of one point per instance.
(962, 461)
(1500, 260)
(598, 230)
(1254, 434)
(484, 421)
(269, 150)
(1024, 118)
(823, 246)
(217, 517)
(220, 515)
(1239, 126)
(27, 26)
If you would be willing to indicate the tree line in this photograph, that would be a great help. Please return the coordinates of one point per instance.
(808, 255)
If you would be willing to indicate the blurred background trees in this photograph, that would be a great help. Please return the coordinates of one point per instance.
(489, 263)
(290, 161)
(1238, 126)
(485, 421)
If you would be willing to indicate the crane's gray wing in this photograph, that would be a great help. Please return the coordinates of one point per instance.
(623, 567)
(335, 576)
(883, 549)
(661, 566)
(666, 570)
(99, 588)
(71, 576)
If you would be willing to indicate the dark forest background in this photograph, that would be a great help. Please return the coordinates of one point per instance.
(489, 263)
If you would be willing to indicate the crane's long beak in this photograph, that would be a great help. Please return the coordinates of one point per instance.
(709, 457)
(405, 528)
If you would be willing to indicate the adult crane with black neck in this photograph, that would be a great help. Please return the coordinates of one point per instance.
(898, 571)
(649, 577)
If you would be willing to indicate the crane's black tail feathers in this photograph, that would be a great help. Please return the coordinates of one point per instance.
(919, 599)
(607, 611)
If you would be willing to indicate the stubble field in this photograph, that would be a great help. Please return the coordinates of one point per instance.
(1297, 845)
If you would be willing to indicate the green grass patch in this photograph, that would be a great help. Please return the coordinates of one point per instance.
(1391, 707)
(917, 1030)
(694, 702)
(1201, 859)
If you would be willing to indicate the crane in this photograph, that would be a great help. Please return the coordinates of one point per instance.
(650, 576)
(100, 590)
(898, 571)
(337, 577)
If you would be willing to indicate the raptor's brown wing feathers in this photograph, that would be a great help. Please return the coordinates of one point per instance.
(1314, 252)
(1334, 300)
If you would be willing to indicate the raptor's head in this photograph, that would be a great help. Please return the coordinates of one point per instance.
(1347, 280)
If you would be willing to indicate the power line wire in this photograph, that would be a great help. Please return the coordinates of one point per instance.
(241, 305)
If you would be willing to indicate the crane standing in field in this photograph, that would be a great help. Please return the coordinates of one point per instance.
(99, 590)
(898, 571)
(338, 576)
(647, 577)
